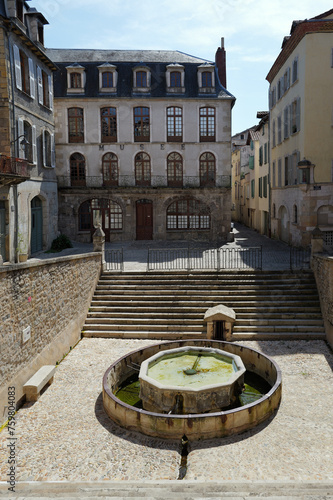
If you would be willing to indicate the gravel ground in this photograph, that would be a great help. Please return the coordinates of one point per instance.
(67, 436)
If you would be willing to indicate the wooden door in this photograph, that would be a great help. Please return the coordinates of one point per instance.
(144, 220)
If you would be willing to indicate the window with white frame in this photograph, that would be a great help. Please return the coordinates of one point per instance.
(76, 79)
(141, 79)
(206, 78)
(48, 149)
(24, 72)
(45, 90)
(28, 149)
(175, 78)
(108, 78)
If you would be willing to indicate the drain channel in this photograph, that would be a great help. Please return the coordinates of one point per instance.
(183, 460)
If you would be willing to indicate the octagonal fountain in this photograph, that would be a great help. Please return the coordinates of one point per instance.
(193, 388)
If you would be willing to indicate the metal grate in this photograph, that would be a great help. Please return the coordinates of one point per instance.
(114, 259)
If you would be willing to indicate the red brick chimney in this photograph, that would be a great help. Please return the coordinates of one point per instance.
(220, 61)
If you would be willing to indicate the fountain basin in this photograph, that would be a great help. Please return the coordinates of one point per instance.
(194, 426)
(170, 383)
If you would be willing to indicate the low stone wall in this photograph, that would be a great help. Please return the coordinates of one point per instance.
(322, 266)
(52, 298)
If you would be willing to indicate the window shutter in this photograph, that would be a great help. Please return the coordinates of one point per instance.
(40, 85)
(44, 147)
(17, 63)
(50, 92)
(291, 119)
(34, 145)
(32, 78)
(298, 114)
(20, 132)
(52, 151)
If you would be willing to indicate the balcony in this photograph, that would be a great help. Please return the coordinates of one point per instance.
(128, 181)
(13, 170)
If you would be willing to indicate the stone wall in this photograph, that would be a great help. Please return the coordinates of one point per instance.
(52, 298)
(323, 270)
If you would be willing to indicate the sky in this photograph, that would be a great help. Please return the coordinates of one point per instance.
(253, 32)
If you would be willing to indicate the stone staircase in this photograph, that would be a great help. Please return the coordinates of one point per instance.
(171, 305)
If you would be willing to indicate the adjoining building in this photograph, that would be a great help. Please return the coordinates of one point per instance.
(301, 132)
(142, 144)
(28, 186)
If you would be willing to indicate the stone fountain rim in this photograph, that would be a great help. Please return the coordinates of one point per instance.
(248, 407)
(232, 379)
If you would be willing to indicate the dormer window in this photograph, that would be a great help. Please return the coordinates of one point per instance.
(206, 78)
(36, 22)
(141, 79)
(75, 79)
(175, 78)
(108, 78)
(19, 10)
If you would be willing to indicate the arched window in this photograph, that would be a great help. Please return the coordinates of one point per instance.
(175, 170)
(175, 79)
(75, 125)
(102, 211)
(142, 169)
(207, 169)
(141, 124)
(187, 214)
(109, 124)
(110, 169)
(77, 169)
(174, 124)
(207, 124)
(295, 216)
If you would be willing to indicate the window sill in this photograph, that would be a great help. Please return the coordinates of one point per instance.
(75, 91)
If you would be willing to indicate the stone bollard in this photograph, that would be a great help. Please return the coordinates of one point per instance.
(99, 243)
(317, 241)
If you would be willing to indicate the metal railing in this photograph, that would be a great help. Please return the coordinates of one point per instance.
(300, 258)
(114, 259)
(198, 258)
(125, 181)
(11, 166)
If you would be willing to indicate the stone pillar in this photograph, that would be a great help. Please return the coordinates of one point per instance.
(317, 241)
(210, 330)
(99, 243)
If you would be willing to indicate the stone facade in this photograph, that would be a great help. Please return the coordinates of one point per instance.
(323, 269)
(51, 297)
(100, 143)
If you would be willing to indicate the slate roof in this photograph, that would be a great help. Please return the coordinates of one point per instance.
(146, 56)
(125, 61)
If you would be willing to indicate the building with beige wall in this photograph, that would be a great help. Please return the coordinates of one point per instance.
(301, 132)
(142, 144)
(28, 186)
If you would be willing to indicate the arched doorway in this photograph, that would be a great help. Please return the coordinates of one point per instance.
(36, 225)
(284, 225)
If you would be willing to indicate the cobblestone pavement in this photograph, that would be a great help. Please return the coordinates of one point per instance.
(275, 254)
(67, 436)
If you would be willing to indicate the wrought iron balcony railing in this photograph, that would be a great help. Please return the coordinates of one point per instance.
(156, 181)
(13, 170)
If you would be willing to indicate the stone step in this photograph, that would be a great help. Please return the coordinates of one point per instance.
(278, 328)
(172, 490)
(207, 291)
(287, 335)
(148, 326)
(144, 334)
(140, 309)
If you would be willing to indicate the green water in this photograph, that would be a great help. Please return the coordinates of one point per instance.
(255, 387)
(208, 370)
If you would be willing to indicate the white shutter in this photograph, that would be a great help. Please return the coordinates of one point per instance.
(40, 85)
(32, 79)
(50, 92)
(44, 147)
(17, 63)
(34, 145)
(52, 151)
(20, 133)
